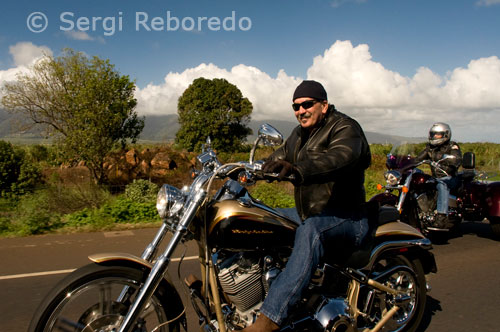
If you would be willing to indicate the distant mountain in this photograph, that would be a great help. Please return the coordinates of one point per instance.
(162, 128)
(11, 126)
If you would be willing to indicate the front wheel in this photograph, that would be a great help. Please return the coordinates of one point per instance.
(410, 282)
(96, 298)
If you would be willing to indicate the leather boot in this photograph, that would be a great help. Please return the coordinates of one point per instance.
(262, 324)
(441, 221)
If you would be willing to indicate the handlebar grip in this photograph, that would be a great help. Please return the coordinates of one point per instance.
(274, 177)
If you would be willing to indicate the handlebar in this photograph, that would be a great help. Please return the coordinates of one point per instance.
(270, 177)
(254, 169)
(435, 164)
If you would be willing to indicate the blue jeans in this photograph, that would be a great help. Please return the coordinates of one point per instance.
(443, 187)
(314, 237)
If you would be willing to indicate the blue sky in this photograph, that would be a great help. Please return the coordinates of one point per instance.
(395, 65)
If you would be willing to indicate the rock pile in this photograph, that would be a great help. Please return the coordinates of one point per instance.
(155, 164)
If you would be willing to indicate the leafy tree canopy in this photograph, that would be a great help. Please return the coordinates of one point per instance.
(214, 108)
(82, 101)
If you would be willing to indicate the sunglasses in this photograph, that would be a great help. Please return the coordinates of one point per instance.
(305, 105)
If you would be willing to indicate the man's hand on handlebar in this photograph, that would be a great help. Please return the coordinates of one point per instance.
(279, 170)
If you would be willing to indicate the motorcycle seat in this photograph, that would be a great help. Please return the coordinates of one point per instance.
(360, 256)
(467, 175)
(383, 215)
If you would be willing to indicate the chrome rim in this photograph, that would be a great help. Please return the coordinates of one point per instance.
(93, 306)
(407, 299)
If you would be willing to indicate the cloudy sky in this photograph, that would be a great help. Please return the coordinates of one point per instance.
(396, 66)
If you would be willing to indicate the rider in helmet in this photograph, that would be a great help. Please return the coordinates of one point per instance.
(439, 145)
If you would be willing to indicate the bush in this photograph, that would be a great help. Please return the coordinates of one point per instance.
(34, 215)
(65, 199)
(38, 153)
(141, 191)
(18, 175)
(10, 166)
(120, 211)
(29, 177)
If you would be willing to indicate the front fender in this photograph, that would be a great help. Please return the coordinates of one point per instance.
(385, 198)
(124, 258)
(170, 299)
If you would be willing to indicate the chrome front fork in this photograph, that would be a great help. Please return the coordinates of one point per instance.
(161, 265)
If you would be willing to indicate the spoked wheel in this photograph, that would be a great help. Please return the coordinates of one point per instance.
(96, 298)
(410, 283)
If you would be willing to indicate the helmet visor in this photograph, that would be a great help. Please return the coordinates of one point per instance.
(436, 134)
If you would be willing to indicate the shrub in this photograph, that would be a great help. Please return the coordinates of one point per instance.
(34, 215)
(65, 199)
(18, 175)
(38, 153)
(141, 191)
(10, 166)
(119, 211)
(29, 177)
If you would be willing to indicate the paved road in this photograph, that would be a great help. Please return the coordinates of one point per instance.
(465, 294)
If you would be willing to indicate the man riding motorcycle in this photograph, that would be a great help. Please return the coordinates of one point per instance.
(327, 154)
(439, 145)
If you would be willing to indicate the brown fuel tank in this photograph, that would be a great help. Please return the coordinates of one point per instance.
(246, 224)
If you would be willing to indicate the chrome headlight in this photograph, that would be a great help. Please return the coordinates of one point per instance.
(169, 200)
(392, 178)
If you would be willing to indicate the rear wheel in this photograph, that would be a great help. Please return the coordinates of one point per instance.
(89, 300)
(410, 283)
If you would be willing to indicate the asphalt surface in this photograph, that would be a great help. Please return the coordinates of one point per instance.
(465, 292)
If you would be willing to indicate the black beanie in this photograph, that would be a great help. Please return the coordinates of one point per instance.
(310, 89)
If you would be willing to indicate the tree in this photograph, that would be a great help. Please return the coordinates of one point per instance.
(214, 108)
(18, 175)
(84, 102)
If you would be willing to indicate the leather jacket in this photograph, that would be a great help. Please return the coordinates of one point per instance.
(435, 153)
(329, 164)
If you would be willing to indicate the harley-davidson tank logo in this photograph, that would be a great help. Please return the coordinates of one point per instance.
(249, 232)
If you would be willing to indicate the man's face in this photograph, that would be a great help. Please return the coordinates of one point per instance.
(436, 135)
(307, 115)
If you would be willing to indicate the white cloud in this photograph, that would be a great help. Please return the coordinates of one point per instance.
(487, 3)
(78, 35)
(380, 99)
(268, 95)
(25, 53)
(82, 35)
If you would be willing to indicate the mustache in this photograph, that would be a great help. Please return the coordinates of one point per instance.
(306, 115)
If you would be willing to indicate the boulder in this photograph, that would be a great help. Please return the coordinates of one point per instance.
(162, 160)
(132, 157)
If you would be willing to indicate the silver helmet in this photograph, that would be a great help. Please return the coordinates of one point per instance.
(439, 133)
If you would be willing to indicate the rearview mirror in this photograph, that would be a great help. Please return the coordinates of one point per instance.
(269, 135)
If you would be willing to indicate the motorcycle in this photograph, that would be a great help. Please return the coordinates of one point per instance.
(243, 245)
(413, 192)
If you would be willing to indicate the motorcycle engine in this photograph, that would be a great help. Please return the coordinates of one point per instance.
(242, 284)
(426, 203)
(245, 280)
